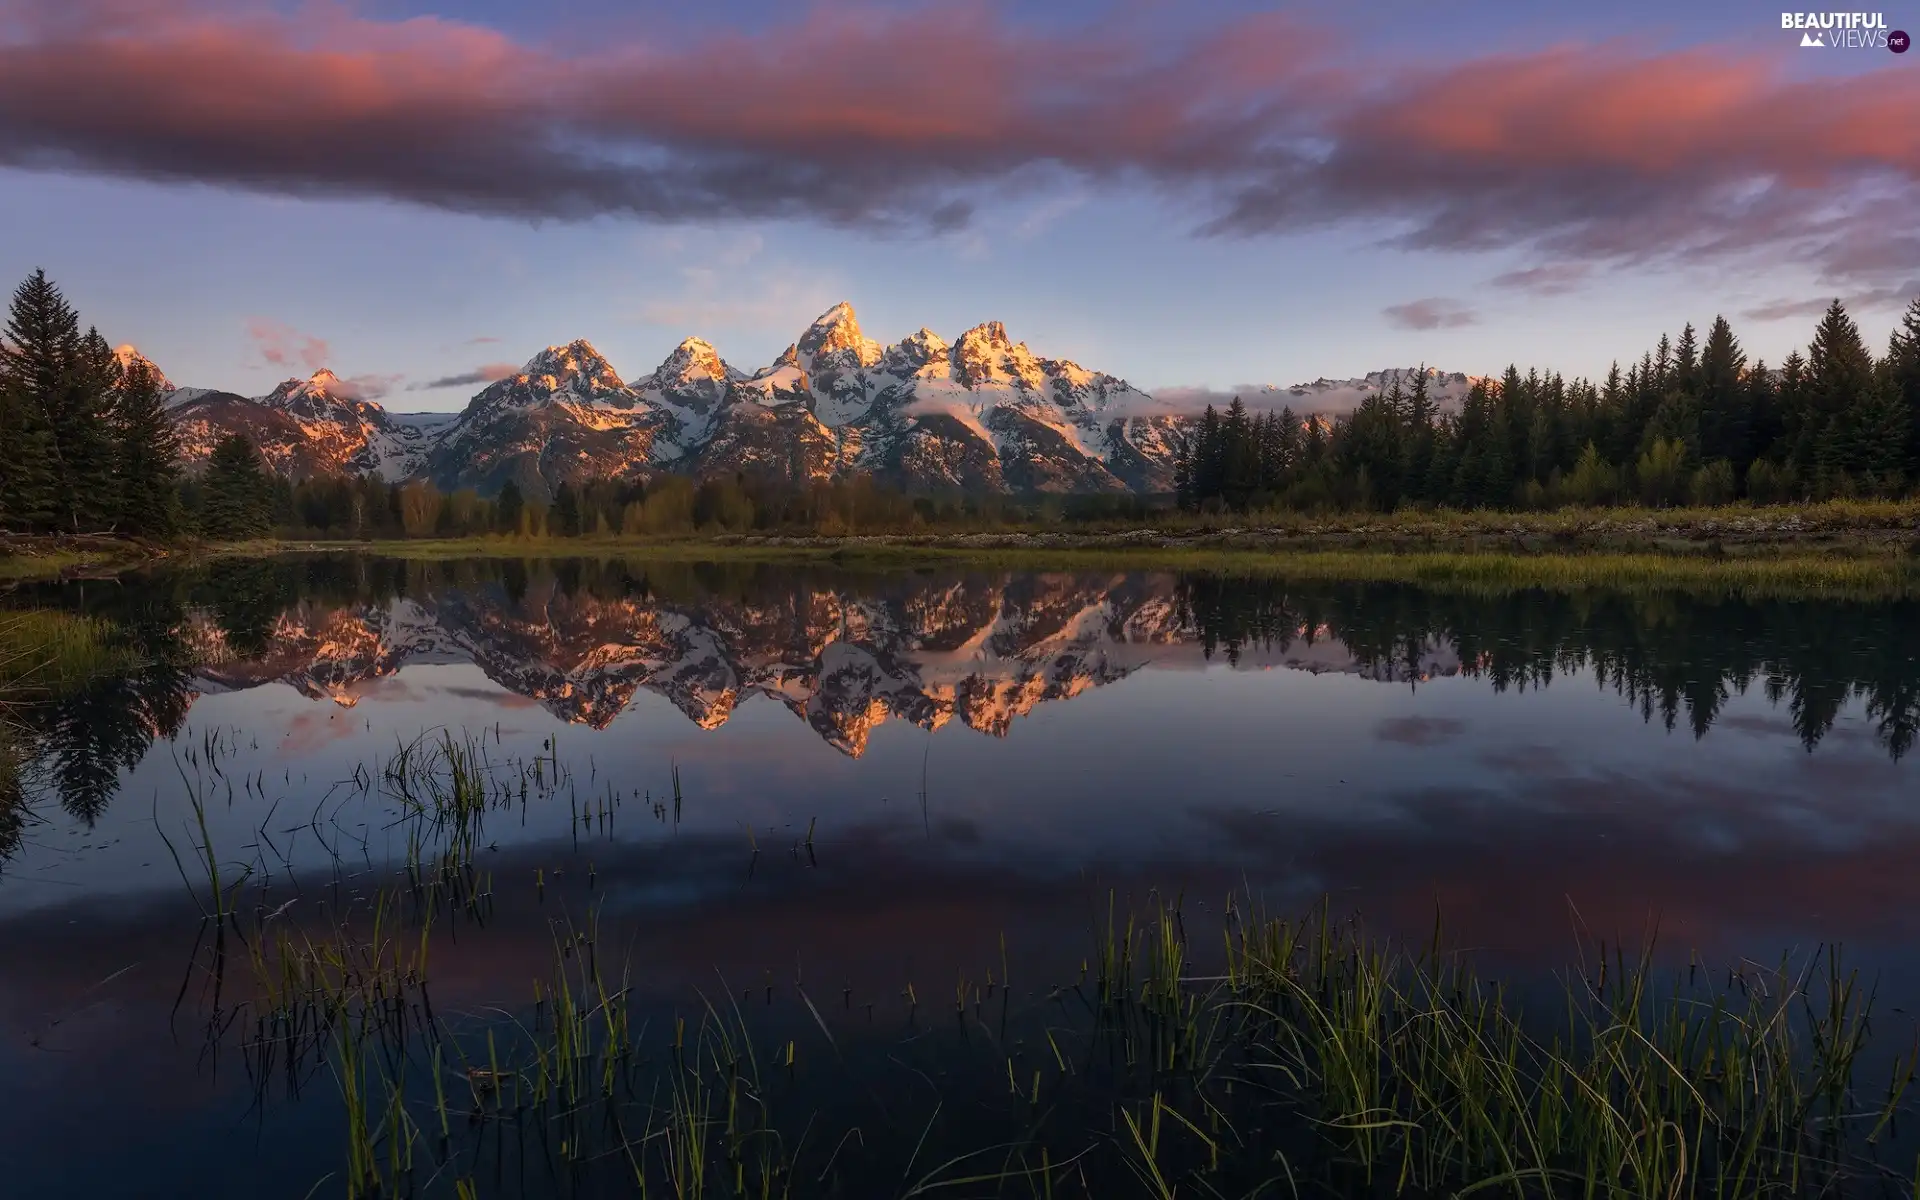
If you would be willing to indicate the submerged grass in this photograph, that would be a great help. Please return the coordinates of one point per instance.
(1266, 1057)
(1321, 1060)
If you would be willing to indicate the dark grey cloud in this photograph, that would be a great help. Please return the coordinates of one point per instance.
(478, 377)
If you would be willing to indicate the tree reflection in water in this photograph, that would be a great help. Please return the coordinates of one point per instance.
(707, 634)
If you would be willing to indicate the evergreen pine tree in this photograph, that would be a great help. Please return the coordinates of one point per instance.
(40, 362)
(508, 507)
(147, 454)
(1725, 405)
(1240, 462)
(1183, 474)
(238, 494)
(1371, 448)
(1876, 430)
(1208, 468)
(85, 432)
(1763, 412)
(1903, 381)
(26, 476)
(1419, 441)
(1839, 371)
(1686, 361)
(566, 511)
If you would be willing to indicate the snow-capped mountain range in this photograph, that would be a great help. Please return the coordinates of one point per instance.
(982, 413)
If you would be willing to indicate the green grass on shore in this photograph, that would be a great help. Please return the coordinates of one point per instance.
(1839, 550)
(40, 566)
(26, 557)
(48, 651)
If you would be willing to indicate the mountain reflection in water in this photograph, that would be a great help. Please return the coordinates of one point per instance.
(898, 779)
(846, 652)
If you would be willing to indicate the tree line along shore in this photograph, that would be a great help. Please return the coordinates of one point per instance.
(1691, 446)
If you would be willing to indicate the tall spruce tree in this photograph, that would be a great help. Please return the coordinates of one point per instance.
(238, 492)
(1903, 381)
(509, 506)
(1686, 361)
(64, 381)
(39, 357)
(147, 454)
(26, 474)
(1840, 372)
(1725, 408)
(1240, 457)
(1209, 467)
(1871, 436)
(566, 511)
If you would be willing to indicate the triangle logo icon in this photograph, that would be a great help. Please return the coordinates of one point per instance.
(1814, 39)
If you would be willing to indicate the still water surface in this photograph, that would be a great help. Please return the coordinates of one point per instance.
(906, 778)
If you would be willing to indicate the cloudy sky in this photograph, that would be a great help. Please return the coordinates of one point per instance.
(1195, 194)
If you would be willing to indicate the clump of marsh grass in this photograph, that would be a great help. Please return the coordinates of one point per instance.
(14, 810)
(47, 652)
(1317, 1059)
(1422, 1074)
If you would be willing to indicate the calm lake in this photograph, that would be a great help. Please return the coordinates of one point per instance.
(881, 817)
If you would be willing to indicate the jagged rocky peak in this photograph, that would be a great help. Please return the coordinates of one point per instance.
(693, 359)
(322, 383)
(916, 351)
(836, 335)
(126, 356)
(986, 335)
(984, 354)
(576, 366)
(322, 395)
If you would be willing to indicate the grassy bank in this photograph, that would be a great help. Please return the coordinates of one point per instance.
(51, 557)
(1851, 550)
(1858, 528)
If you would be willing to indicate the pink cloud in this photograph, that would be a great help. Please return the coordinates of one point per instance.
(1578, 154)
(281, 345)
(1434, 312)
(1603, 153)
(1548, 279)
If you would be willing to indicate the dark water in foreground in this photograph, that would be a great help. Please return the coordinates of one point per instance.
(919, 778)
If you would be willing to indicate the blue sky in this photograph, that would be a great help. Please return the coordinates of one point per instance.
(183, 235)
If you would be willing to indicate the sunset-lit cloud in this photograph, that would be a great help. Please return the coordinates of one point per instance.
(1579, 154)
(1548, 279)
(1433, 312)
(281, 345)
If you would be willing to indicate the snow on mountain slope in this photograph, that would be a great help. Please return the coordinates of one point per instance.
(565, 416)
(685, 394)
(350, 434)
(980, 413)
(304, 427)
